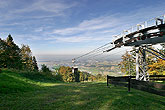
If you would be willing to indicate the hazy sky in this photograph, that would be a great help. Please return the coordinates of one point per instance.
(71, 26)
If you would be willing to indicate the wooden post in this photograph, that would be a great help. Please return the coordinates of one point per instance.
(129, 83)
(107, 80)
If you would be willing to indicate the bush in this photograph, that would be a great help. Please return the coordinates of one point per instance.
(45, 69)
(58, 77)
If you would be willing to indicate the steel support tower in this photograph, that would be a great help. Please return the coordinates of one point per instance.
(142, 35)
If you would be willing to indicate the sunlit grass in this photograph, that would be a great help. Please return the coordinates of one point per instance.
(25, 94)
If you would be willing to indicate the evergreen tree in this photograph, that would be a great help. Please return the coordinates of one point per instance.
(3, 56)
(35, 67)
(13, 58)
(45, 69)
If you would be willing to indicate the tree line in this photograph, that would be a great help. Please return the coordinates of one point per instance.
(20, 58)
(12, 56)
(68, 76)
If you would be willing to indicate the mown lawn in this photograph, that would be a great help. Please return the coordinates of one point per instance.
(21, 93)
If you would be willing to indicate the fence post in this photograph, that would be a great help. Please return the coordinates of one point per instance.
(129, 83)
(107, 80)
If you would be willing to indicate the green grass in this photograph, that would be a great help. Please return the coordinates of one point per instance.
(161, 82)
(23, 93)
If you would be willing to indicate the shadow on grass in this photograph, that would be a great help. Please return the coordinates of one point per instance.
(95, 96)
(73, 96)
(39, 77)
(12, 84)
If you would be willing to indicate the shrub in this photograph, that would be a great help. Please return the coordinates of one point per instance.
(45, 69)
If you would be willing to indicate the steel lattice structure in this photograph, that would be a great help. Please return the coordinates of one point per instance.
(140, 36)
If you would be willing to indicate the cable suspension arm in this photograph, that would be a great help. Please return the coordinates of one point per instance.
(154, 54)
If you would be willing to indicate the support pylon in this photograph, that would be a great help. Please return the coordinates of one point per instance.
(141, 66)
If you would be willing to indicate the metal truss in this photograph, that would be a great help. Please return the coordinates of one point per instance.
(141, 70)
(150, 32)
(141, 64)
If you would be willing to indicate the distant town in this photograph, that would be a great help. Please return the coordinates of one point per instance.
(94, 67)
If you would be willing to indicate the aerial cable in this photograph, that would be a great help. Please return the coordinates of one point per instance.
(92, 51)
(95, 52)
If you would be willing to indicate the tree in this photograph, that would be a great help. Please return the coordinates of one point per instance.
(127, 65)
(56, 68)
(35, 66)
(155, 65)
(70, 77)
(12, 53)
(27, 59)
(157, 68)
(162, 50)
(66, 73)
(45, 69)
(11, 56)
(86, 76)
(99, 76)
(3, 55)
(81, 78)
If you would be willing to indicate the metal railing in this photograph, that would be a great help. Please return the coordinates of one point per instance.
(146, 24)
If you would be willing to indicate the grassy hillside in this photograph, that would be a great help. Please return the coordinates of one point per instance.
(21, 92)
(14, 82)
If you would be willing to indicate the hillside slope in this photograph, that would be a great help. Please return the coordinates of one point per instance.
(14, 82)
(19, 92)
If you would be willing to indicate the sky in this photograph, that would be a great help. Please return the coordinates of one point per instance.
(65, 27)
